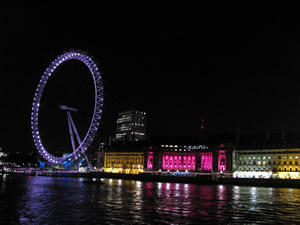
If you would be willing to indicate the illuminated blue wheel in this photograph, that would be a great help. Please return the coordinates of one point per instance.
(97, 111)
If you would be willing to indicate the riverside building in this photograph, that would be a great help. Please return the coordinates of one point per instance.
(275, 156)
(189, 158)
(252, 157)
(140, 157)
(126, 158)
(281, 163)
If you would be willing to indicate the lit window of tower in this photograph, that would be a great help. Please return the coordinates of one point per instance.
(131, 126)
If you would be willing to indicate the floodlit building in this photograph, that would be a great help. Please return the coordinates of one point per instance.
(144, 156)
(191, 158)
(124, 162)
(281, 163)
(275, 156)
(131, 126)
(128, 158)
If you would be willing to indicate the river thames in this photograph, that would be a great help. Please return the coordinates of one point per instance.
(56, 200)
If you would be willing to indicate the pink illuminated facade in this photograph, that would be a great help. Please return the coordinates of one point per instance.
(150, 161)
(222, 161)
(176, 159)
(206, 161)
(179, 161)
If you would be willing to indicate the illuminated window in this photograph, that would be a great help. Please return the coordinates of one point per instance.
(296, 157)
(259, 163)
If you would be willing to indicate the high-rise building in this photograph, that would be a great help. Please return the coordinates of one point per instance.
(131, 126)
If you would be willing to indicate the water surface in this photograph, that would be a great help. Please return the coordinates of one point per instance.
(54, 200)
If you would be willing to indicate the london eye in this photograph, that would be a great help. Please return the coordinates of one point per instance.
(79, 151)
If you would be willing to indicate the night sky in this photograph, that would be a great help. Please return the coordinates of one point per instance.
(234, 62)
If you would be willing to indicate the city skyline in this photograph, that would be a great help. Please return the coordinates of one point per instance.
(236, 65)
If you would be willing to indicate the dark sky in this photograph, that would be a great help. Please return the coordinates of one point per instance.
(236, 62)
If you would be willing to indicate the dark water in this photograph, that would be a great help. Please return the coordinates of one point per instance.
(47, 200)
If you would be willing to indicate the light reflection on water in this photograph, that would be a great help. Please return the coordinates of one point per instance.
(46, 200)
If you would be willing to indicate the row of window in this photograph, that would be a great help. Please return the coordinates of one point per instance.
(269, 157)
(126, 162)
(269, 163)
(267, 170)
(124, 158)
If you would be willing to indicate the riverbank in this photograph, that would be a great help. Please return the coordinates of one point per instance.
(190, 179)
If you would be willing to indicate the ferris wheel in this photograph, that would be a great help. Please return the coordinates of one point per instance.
(78, 152)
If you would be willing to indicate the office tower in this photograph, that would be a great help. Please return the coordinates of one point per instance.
(131, 126)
